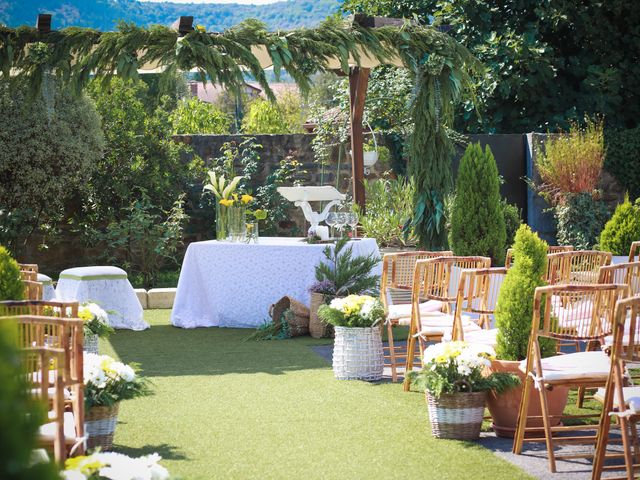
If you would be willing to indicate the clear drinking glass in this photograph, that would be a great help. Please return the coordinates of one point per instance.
(341, 221)
(331, 221)
(352, 221)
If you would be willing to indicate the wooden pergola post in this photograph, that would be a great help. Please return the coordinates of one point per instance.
(358, 81)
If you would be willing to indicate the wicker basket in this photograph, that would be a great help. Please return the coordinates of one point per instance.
(100, 425)
(298, 322)
(456, 416)
(318, 328)
(357, 354)
(91, 343)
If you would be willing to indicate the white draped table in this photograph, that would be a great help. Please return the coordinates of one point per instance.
(226, 284)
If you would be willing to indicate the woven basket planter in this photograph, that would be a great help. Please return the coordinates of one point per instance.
(456, 416)
(318, 328)
(100, 425)
(91, 343)
(357, 354)
(298, 321)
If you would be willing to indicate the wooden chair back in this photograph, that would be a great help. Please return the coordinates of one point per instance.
(397, 275)
(581, 267)
(634, 252)
(508, 261)
(28, 275)
(575, 312)
(47, 308)
(478, 291)
(44, 367)
(622, 273)
(28, 267)
(625, 351)
(66, 334)
(32, 290)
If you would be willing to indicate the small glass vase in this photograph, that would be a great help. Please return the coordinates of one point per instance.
(230, 223)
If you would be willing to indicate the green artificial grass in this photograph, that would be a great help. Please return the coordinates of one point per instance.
(227, 408)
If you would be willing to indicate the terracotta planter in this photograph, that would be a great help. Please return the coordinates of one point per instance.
(504, 407)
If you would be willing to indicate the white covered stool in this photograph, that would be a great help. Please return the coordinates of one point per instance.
(109, 288)
(48, 292)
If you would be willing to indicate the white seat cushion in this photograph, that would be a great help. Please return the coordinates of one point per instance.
(482, 337)
(47, 431)
(93, 273)
(631, 396)
(397, 312)
(51, 391)
(443, 325)
(576, 316)
(574, 366)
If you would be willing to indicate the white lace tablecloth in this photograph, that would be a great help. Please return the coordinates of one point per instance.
(115, 295)
(233, 284)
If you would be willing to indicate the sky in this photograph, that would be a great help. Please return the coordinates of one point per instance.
(246, 2)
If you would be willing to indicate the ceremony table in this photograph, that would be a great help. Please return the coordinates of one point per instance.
(225, 284)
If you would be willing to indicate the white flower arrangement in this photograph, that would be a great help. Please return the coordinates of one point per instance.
(96, 320)
(108, 381)
(454, 367)
(115, 466)
(353, 311)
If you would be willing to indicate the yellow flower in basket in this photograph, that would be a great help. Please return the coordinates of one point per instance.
(226, 202)
(246, 198)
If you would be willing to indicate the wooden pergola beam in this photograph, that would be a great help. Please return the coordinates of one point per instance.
(358, 82)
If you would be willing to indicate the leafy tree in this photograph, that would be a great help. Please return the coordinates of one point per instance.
(547, 62)
(477, 223)
(512, 221)
(196, 116)
(49, 148)
(514, 309)
(264, 117)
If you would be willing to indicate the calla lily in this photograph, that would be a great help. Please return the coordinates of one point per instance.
(231, 187)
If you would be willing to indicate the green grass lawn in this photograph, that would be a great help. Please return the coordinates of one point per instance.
(224, 408)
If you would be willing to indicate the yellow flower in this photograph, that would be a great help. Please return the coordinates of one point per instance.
(235, 197)
(226, 202)
(200, 28)
(85, 314)
(246, 198)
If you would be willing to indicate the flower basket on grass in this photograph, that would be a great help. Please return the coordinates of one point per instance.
(96, 325)
(357, 350)
(456, 387)
(107, 382)
(111, 466)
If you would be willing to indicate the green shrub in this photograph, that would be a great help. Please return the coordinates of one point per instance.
(20, 416)
(579, 220)
(512, 220)
(389, 208)
(196, 116)
(623, 152)
(477, 219)
(622, 229)
(50, 146)
(11, 287)
(264, 117)
(514, 310)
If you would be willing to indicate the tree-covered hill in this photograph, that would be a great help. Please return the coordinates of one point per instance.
(104, 14)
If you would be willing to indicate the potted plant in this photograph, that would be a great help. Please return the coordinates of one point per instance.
(106, 383)
(621, 230)
(338, 275)
(456, 387)
(96, 325)
(357, 349)
(513, 315)
(100, 465)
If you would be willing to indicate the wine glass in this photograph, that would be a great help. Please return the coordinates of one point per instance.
(331, 220)
(352, 221)
(341, 221)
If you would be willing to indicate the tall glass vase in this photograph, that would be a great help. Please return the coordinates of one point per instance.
(230, 223)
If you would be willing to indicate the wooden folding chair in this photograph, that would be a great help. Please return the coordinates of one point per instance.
(47, 308)
(589, 319)
(619, 400)
(478, 291)
(44, 367)
(634, 252)
(580, 267)
(551, 249)
(66, 334)
(435, 279)
(395, 293)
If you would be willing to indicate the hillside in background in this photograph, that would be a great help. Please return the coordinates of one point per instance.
(105, 14)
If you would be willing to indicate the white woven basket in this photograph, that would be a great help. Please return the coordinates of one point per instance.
(100, 425)
(357, 353)
(91, 343)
